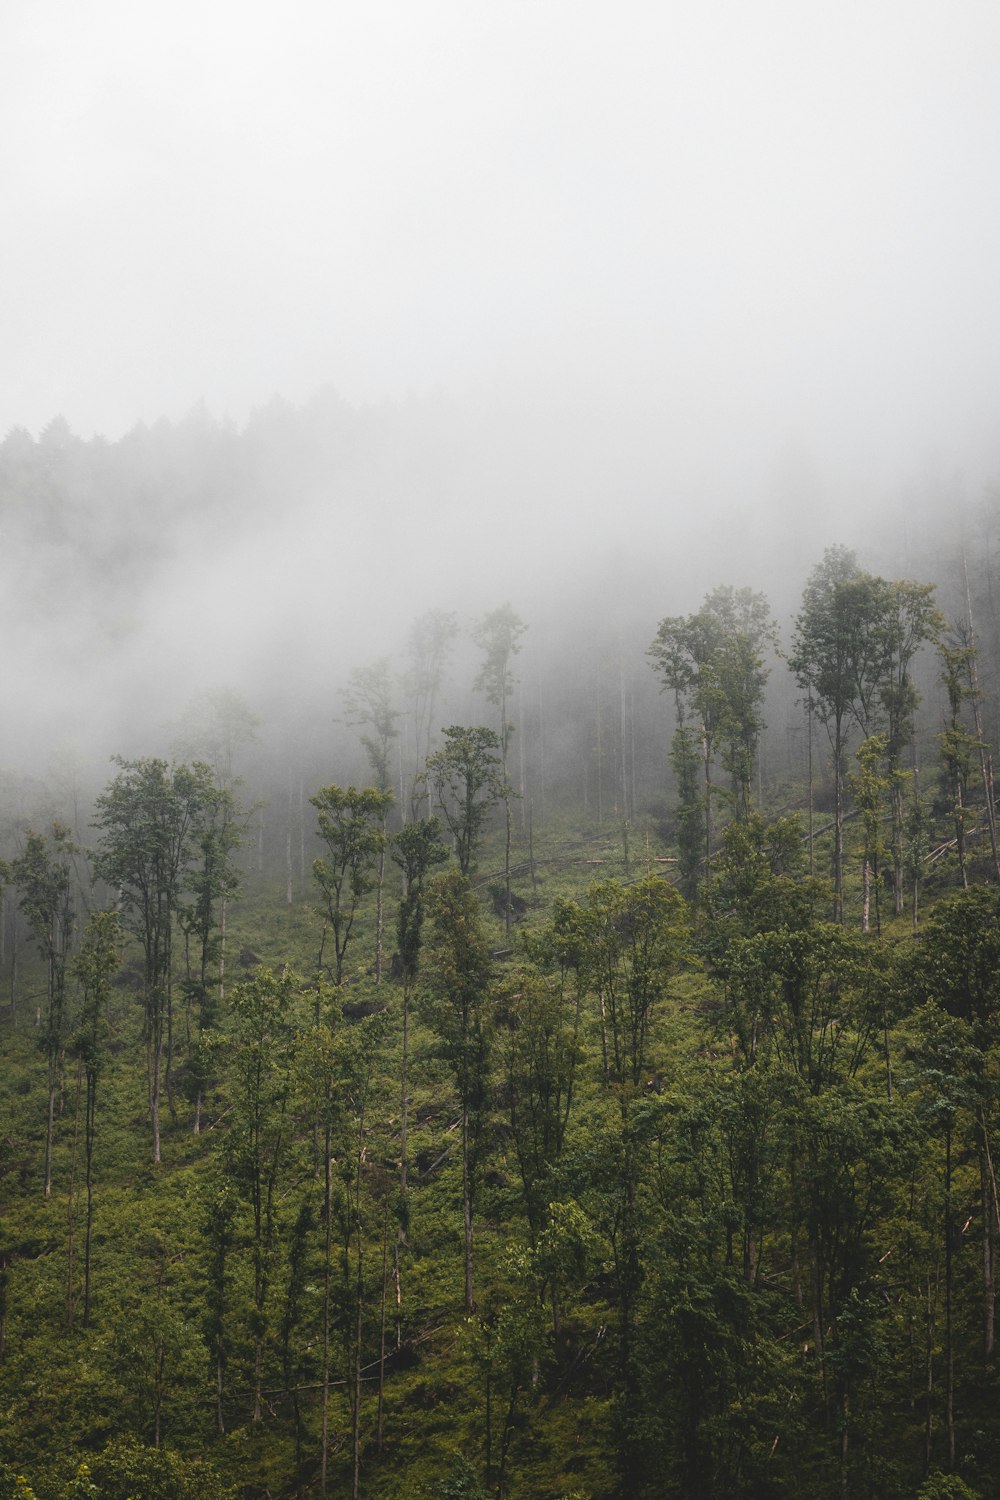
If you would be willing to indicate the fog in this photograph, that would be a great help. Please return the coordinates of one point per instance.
(394, 306)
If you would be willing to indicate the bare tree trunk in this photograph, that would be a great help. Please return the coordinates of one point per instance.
(604, 1035)
(949, 1343)
(988, 1187)
(404, 1118)
(381, 1328)
(931, 1320)
(359, 1302)
(153, 1068)
(327, 1250)
(897, 843)
(49, 1123)
(71, 1205)
(845, 1437)
(90, 1108)
(380, 907)
(838, 835)
(470, 1305)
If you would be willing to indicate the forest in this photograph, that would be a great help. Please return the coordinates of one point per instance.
(544, 1050)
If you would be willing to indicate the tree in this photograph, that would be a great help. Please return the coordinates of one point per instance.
(467, 776)
(369, 704)
(454, 1002)
(42, 872)
(686, 762)
(95, 968)
(212, 880)
(498, 635)
(216, 726)
(368, 701)
(839, 656)
(430, 644)
(356, 1056)
(713, 662)
(957, 744)
(911, 620)
(538, 1043)
(870, 783)
(958, 966)
(149, 818)
(630, 940)
(258, 1139)
(416, 849)
(758, 884)
(350, 824)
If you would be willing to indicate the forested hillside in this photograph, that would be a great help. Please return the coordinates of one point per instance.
(465, 1048)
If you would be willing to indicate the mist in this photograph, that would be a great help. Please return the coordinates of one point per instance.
(349, 313)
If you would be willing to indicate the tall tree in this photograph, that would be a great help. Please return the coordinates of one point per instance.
(350, 824)
(95, 968)
(467, 776)
(416, 849)
(839, 656)
(630, 940)
(498, 634)
(539, 1048)
(369, 704)
(870, 785)
(43, 873)
(258, 1140)
(714, 664)
(455, 1002)
(149, 817)
(430, 643)
(956, 742)
(211, 881)
(911, 619)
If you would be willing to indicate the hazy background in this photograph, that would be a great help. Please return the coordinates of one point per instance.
(667, 294)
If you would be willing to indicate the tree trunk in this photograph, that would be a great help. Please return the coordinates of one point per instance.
(154, 1100)
(949, 1345)
(71, 1205)
(838, 836)
(359, 1302)
(381, 1328)
(49, 1123)
(988, 1188)
(470, 1305)
(404, 1117)
(327, 1251)
(379, 907)
(90, 1110)
(897, 843)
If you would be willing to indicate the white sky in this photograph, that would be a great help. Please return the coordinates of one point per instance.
(722, 225)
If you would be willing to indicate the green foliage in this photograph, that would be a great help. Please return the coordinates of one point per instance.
(416, 849)
(350, 823)
(14, 1486)
(946, 1487)
(713, 1244)
(714, 664)
(461, 1482)
(468, 780)
(128, 1471)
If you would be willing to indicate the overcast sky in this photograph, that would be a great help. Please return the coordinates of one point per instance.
(729, 227)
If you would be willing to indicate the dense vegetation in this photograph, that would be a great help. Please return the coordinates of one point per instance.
(520, 1114)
